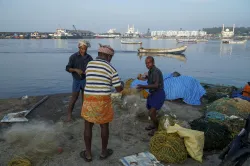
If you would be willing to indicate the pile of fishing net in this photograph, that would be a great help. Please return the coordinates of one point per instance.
(214, 92)
(233, 123)
(19, 162)
(169, 148)
(171, 120)
(34, 140)
(127, 90)
(230, 106)
(217, 136)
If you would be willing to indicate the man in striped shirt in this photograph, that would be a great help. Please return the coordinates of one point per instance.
(97, 106)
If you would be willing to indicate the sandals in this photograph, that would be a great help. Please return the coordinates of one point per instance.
(109, 153)
(150, 127)
(83, 155)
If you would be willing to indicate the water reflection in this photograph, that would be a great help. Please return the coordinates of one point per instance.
(180, 57)
(61, 43)
(130, 47)
(226, 49)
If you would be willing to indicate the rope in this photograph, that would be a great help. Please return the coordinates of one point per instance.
(19, 162)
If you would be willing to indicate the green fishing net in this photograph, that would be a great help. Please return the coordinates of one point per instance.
(217, 136)
(229, 107)
(169, 148)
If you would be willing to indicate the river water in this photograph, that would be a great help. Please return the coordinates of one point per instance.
(37, 67)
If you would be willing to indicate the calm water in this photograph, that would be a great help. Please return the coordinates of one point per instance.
(36, 67)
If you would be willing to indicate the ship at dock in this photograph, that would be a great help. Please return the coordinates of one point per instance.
(110, 34)
(71, 34)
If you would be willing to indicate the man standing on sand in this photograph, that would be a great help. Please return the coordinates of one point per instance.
(97, 106)
(77, 66)
(156, 97)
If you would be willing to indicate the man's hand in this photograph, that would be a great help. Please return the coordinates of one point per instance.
(139, 87)
(78, 71)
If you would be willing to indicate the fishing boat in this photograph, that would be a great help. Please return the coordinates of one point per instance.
(180, 57)
(237, 41)
(202, 40)
(186, 40)
(130, 42)
(155, 38)
(177, 50)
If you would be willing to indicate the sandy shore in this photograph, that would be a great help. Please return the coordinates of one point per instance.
(127, 134)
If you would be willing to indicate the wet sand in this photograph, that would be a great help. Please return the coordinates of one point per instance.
(127, 134)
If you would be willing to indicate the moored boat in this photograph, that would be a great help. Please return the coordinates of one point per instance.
(130, 42)
(237, 41)
(186, 40)
(202, 40)
(177, 50)
(180, 57)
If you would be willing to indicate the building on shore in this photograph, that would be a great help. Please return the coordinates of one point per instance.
(131, 33)
(180, 33)
(227, 34)
(35, 35)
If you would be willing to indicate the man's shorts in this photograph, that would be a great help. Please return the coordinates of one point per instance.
(78, 85)
(156, 99)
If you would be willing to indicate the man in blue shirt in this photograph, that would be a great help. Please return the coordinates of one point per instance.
(77, 66)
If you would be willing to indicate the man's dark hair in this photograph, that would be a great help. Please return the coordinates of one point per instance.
(151, 58)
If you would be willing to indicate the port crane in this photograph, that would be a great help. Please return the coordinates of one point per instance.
(76, 31)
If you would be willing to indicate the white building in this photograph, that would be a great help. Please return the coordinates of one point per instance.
(227, 33)
(179, 33)
(35, 35)
(131, 32)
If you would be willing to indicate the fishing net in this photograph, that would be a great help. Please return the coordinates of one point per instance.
(170, 120)
(19, 162)
(169, 148)
(229, 107)
(165, 121)
(233, 125)
(216, 92)
(132, 91)
(217, 136)
(36, 140)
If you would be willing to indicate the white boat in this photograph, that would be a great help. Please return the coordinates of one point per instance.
(180, 57)
(110, 34)
(186, 40)
(202, 40)
(130, 42)
(177, 50)
(237, 41)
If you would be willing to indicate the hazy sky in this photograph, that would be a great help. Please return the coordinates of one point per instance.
(101, 15)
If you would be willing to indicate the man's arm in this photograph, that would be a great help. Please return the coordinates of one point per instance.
(117, 83)
(151, 86)
(70, 69)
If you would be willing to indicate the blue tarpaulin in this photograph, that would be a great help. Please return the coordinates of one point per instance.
(185, 87)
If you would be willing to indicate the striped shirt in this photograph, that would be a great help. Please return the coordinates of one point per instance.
(100, 77)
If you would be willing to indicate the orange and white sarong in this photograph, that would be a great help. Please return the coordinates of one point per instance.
(97, 109)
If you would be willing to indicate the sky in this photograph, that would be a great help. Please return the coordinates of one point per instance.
(102, 15)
